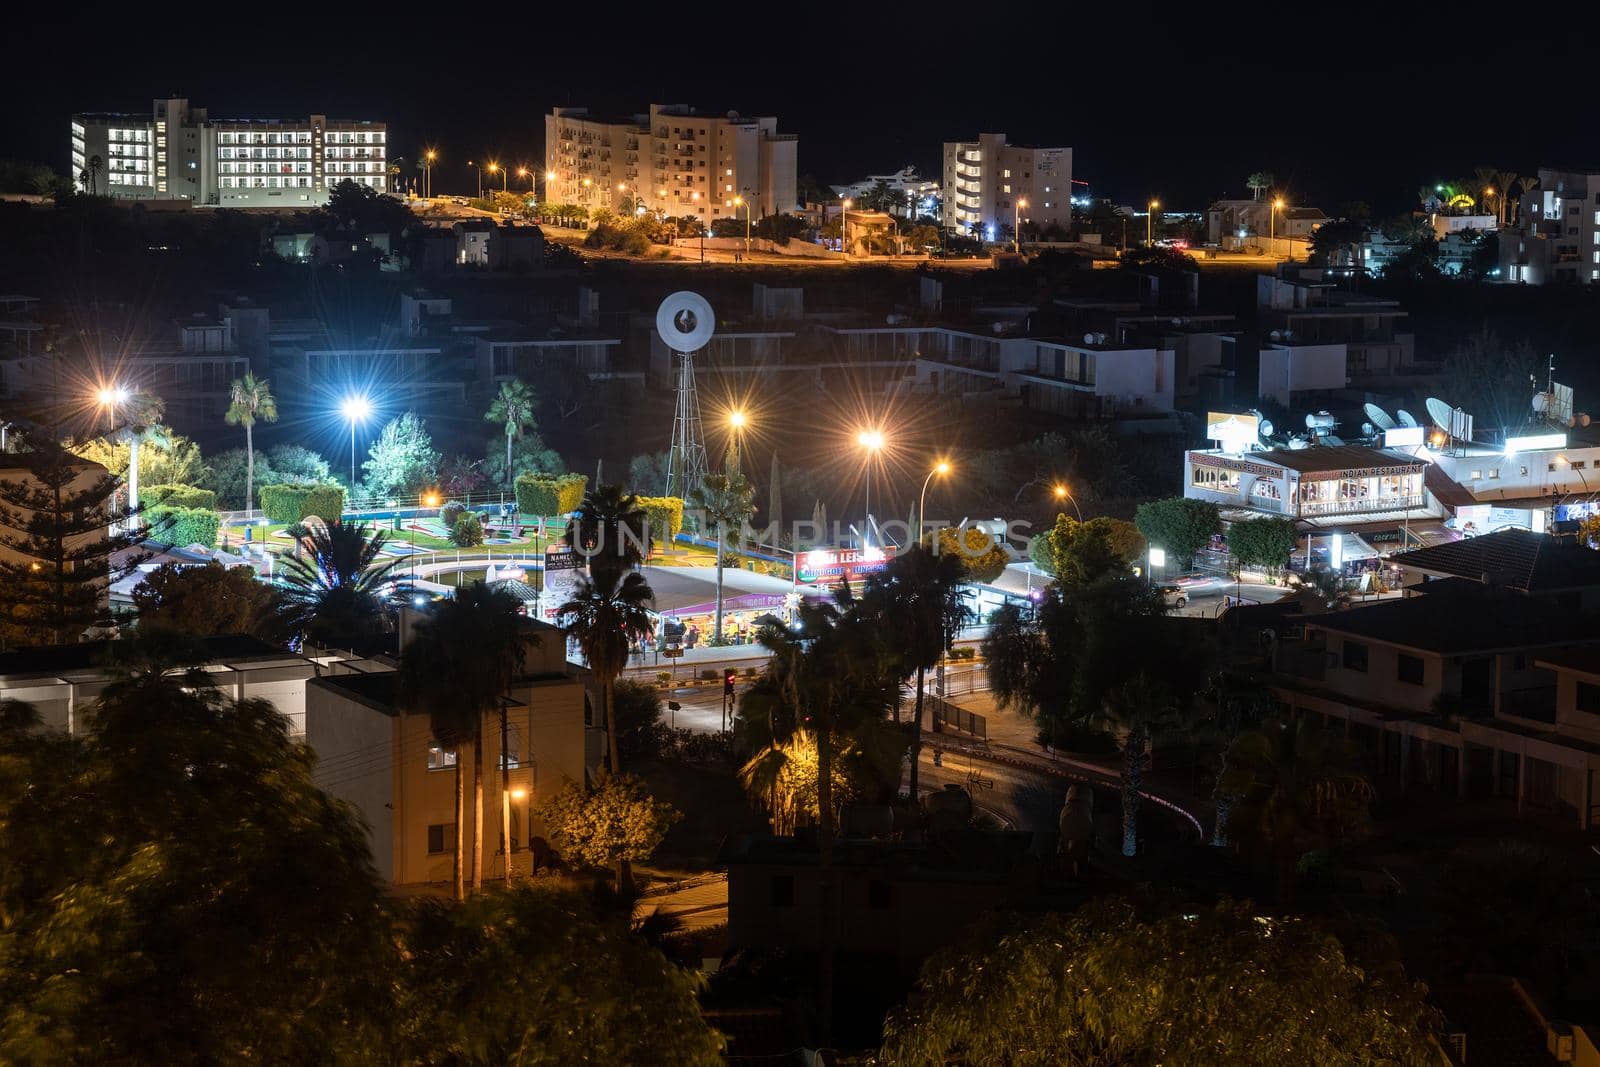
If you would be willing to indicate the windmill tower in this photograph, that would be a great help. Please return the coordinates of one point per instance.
(686, 322)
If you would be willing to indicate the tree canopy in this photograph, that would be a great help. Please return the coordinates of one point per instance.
(402, 461)
(1179, 525)
(212, 599)
(616, 820)
(1112, 983)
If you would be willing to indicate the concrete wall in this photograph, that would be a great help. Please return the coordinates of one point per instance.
(1289, 369)
(1380, 681)
(355, 746)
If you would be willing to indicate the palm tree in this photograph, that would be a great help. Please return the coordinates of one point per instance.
(338, 588)
(512, 407)
(83, 180)
(459, 666)
(610, 529)
(96, 164)
(141, 415)
(607, 615)
(1139, 711)
(918, 601)
(1297, 788)
(1504, 180)
(726, 501)
(249, 399)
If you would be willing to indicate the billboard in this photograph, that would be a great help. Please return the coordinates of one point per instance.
(833, 565)
(563, 571)
(1234, 432)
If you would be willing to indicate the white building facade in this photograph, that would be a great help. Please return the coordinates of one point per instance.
(989, 184)
(179, 153)
(1559, 238)
(673, 160)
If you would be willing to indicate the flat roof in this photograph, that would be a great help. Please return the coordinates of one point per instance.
(1324, 458)
(1462, 618)
(94, 655)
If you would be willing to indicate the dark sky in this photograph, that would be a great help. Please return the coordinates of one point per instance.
(1339, 101)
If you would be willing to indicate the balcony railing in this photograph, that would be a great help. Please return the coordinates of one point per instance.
(1362, 506)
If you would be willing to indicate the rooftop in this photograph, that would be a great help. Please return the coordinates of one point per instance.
(1519, 559)
(102, 655)
(1463, 618)
(1323, 458)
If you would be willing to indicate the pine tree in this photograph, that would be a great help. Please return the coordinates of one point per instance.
(56, 545)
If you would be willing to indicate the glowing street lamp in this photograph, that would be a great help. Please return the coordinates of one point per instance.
(740, 201)
(844, 205)
(111, 397)
(737, 420)
(356, 408)
(872, 441)
(1016, 223)
(427, 172)
(1149, 221)
(1063, 493)
(1272, 224)
(940, 468)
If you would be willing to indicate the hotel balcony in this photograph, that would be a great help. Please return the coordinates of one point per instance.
(1367, 505)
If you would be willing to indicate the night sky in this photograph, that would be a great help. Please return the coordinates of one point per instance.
(1340, 101)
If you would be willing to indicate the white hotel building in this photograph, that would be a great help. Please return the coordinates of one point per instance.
(989, 184)
(179, 153)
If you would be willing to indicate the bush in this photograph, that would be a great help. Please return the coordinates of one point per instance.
(541, 494)
(178, 496)
(295, 465)
(665, 515)
(710, 674)
(450, 513)
(291, 503)
(182, 526)
(467, 531)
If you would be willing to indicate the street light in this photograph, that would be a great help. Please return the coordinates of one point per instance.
(1149, 221)
(736, 423)
(1063, 493)
(505, 178)
(1016, 224)
(1158, 558)
(941, 468)
(355, 409)
(872, 441)
(740, 201)
(844, 206)
(427, 172)
(112, 397)
(1272, 224)
(479, 169)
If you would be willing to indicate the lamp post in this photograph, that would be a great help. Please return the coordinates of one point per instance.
(940, 467)
(1149, 222)
(1016, 224)
(736, 424)
(111, 398)
(1063, 493)
(1158, 558)
(524, 172)
(694, 199)
(1272, 223)
(844, 206)
(427, 172)
(872, 441)
(740, 201)
(355, 409)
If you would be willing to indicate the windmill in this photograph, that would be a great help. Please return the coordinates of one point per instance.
(686, 322)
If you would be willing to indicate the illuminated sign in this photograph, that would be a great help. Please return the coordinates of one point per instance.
(1405, 437)
(841, 564)
(1536, 442)
(1158, 557)
(1234, 432)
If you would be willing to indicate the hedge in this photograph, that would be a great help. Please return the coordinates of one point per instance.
(291, 503)
(182, 526)
(178, 496)
(450, 513)
(550, 495)
(665, 515)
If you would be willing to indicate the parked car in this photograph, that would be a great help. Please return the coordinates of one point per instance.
(1174, 597)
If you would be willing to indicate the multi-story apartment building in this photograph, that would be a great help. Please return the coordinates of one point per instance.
(989, 184)
(672, 160)
(1559, 238)
(179, 153)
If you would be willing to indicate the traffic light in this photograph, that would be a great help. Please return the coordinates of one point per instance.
(727, 681)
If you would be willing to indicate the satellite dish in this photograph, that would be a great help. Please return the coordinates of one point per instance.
(1440, 413)
(685, 321)
(1406, 418)
(1264, 428)
(1088, 338)
(1276, 335)
(1541, 403)
(1380, 418)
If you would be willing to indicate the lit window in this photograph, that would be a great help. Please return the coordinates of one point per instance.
(440, 758)
(1005, 174)
(1477, 475)
(730, 172)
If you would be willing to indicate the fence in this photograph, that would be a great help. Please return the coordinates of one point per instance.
(946, 714)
